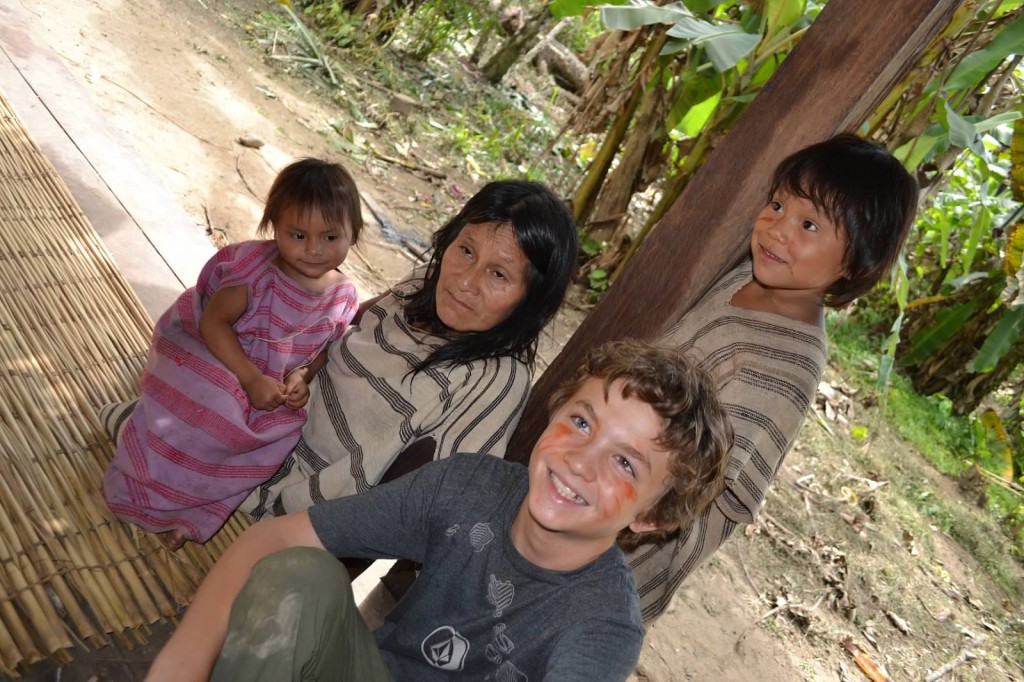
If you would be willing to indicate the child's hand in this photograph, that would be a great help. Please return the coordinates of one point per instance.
(265, 393)
(296, 389)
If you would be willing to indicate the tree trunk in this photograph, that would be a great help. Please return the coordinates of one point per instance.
(625, 179)
(558, 60)
(839, 72)
(586, 195)
(516, 46)
(481, 44)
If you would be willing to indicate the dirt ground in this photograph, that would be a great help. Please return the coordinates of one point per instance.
(182, 81)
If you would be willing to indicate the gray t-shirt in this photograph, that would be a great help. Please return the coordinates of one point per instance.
(479, 609)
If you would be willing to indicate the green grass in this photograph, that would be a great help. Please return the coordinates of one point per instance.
(925, 422)
(946, 440)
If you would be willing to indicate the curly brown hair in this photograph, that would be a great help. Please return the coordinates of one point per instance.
(697, 432)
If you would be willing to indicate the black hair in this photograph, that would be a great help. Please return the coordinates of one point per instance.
(867, 193)
(314, 185)
(545, 231)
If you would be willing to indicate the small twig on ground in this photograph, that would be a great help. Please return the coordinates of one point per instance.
(750, 580)
(440, 175)
(796, 610)
(926, 609)
(775, 522)
(757, 622)
(369, 266)
(820, 418)
(576, 306)
(238, 169)
(163, 115)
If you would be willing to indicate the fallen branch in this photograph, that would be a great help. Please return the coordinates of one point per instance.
(999, 480)
(768, 517)
(966, 655)
(544, 40)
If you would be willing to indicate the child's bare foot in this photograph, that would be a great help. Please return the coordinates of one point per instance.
(172, 539)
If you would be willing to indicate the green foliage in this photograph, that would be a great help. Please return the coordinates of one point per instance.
(927, 423)
(597, 281)
(979, 63)
(502, 137)
(590, 247)
(1007, 332)
(336, 25)
(950, 442)
(726, 43)
(859, 433)
(1009, 509)
(576, 8)
(984, 541)
(932, 506)
(928, 341)
(437, 24)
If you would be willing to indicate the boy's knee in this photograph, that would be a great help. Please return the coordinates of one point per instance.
(300, 570)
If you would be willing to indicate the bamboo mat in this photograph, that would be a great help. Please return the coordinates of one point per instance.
(73, 337)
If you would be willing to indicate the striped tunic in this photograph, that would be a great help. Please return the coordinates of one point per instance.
(366, 406)
(194, 446)
(767, 369)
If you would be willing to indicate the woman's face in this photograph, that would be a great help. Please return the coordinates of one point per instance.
(483, 278)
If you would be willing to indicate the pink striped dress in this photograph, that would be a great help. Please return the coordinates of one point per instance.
(194, 446)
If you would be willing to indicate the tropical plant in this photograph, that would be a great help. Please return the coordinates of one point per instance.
(670, 82)
(951, 122)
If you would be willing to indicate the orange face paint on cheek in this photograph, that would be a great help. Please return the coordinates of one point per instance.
(622, 492)
(554, 433)
(560, 430)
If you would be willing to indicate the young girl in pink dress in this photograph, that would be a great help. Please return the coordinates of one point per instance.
(219, 410)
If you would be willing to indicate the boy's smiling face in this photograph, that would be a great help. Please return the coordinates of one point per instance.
(596, 467)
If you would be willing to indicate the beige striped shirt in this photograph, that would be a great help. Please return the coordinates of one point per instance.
(767, 369)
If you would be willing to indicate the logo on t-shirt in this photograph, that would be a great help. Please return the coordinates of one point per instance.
(480, 535)
(445, 648)
(509, 673)
(500, 594)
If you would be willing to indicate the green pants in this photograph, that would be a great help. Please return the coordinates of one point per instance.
(296, 619)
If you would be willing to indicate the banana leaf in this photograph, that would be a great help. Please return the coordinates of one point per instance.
(1000, 341)
(975, 67)
(930, 340)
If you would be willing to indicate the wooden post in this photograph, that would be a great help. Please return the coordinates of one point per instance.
(854, 53)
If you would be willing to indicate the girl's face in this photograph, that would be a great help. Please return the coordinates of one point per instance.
(482, 278)
(796, 247)
(310, 247)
